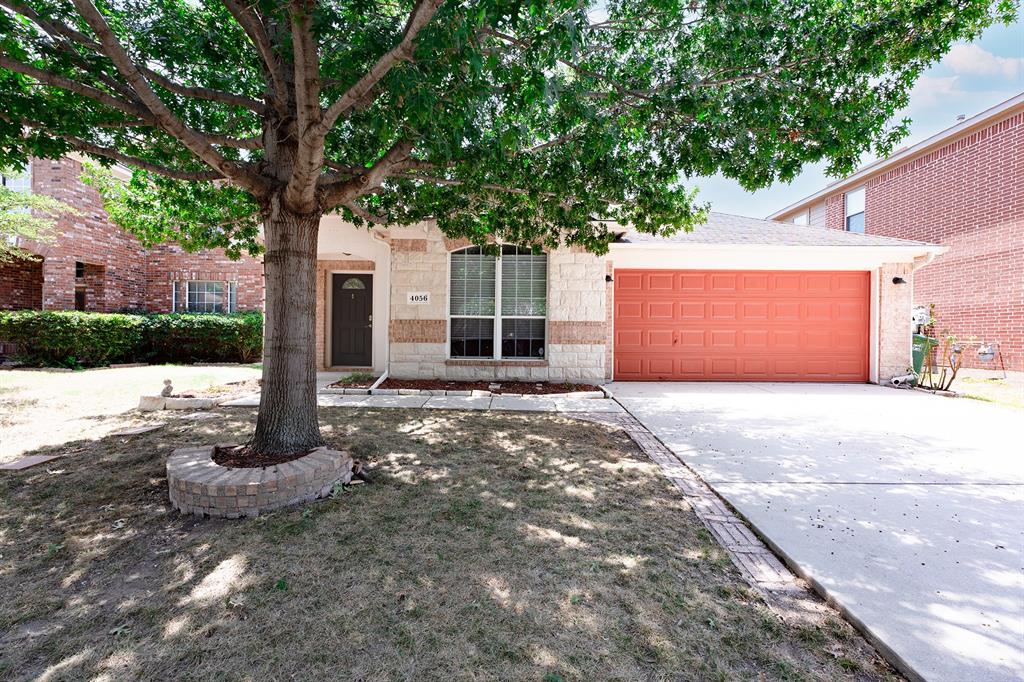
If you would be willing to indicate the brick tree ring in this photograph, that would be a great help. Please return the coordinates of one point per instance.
(200, 486)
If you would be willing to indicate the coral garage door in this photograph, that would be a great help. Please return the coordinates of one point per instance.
(725, 325)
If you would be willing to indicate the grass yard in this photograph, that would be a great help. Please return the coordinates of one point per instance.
(39, 408)
(1006, 392)
(490, 546)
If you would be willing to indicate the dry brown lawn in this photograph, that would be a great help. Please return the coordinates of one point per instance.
(47, 407)
(490, 546)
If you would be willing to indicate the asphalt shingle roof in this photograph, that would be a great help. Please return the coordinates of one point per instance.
(723, 228)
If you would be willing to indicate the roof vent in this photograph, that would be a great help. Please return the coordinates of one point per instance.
(961, 117)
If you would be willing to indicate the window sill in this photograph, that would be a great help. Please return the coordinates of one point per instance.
(484, 362)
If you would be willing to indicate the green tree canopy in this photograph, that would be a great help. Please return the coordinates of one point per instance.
(529, 121)
(519, 119)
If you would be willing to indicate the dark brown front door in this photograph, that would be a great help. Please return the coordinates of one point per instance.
(351, 320)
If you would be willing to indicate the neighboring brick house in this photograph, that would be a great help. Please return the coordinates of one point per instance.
(93, 265)
(962, 188)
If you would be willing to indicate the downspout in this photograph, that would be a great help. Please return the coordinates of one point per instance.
(376, 236)
(921, 261)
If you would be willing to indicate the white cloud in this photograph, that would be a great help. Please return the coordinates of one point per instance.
(930, 91)
(974, 60)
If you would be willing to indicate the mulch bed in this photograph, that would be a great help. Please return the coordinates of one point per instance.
(522, 387)
(341, 383)
(244, 457)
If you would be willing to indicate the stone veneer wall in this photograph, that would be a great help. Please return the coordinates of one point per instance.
(894, 305)
(575, 348)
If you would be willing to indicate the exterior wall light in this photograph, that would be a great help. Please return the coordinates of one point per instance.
(898, 280)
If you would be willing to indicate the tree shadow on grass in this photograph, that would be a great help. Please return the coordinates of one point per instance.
(490, 546)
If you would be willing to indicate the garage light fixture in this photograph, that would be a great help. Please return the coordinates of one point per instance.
(898, 280)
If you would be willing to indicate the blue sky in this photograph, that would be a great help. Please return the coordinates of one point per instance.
(968, 80)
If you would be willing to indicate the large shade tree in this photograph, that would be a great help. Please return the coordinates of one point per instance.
(527, 121)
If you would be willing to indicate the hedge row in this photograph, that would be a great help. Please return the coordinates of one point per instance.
(73, 339)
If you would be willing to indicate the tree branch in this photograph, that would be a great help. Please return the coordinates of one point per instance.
(71, 85)
(253, 142)
(66, 34)
(257, 33)
(97, 150)
(300, 193)
(420, 17)
(365, 214)
(345, 191)
(446, 182)
(164, 116)
(198, 92)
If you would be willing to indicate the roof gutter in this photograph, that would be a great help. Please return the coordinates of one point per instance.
(933, 249)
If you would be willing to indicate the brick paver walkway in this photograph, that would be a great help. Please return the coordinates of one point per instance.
(785, 593)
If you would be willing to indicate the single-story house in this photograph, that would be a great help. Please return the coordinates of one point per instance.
(736, 299)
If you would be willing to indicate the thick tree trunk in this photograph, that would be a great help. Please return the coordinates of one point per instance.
(287, 420)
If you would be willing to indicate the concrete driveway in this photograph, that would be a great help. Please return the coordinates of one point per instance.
(907, 508)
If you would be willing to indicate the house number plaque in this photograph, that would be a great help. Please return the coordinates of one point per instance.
(418, 297)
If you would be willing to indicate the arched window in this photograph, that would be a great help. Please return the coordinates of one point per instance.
(353, 283)
(498, 298)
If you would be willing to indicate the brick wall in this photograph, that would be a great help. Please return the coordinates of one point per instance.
(119, 274)
(967, 195)
(167, 263)
(114, 259)
(21, 284)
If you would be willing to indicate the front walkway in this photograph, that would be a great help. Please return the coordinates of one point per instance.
(903, 507)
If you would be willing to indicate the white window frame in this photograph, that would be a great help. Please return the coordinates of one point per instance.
(803, 215)
(846, 208)
(230, 295)
(497, 356)
(28, 178)
(13, 239)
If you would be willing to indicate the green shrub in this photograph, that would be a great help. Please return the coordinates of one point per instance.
(77, 339)
(191, 337)
(72, 339)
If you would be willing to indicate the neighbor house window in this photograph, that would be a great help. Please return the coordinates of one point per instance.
(800, 218)
(498, 298)
(855, 211)
(18, 182)
(202, 296)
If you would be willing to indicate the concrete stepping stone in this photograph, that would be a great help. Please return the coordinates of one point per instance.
(27, 462)
(198, 417)
(245, 401)
(136, 430)
(458, 403)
